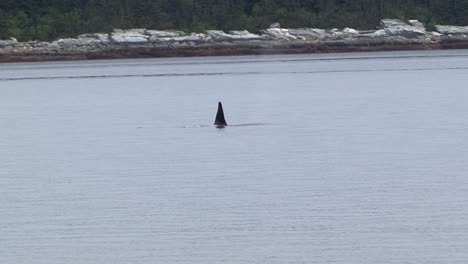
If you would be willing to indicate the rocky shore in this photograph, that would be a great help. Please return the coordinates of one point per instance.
(142, 43)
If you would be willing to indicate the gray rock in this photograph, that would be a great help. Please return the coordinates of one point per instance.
(244, 34)
(381, 33)
(451, 30)
(279, 33)
(194, 37)
(322, 34)
(351, 31)
(7, 43)
(68, 43)
(132, 31)
(164, 33)
(309, 33)
(395, 27)
(417, 24)
(219, 35)
(97, 38)
(129, 37)
(275, 25)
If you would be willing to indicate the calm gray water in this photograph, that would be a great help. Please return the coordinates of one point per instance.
(362, 158)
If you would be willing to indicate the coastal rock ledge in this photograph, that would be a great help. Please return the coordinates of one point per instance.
(139, 43)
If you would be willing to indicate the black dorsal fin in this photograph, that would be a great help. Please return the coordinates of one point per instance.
(220, 121)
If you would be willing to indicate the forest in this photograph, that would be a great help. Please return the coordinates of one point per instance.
(52, 19)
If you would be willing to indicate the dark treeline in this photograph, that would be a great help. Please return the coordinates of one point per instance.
(51, 19)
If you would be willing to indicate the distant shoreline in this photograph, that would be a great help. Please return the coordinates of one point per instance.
(394, 35)
(298, 48)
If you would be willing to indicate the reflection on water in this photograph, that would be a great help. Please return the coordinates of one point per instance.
(242, 65)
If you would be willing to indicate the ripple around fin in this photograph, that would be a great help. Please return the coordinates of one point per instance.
(197, 126)
(235, 125)
(252, 124)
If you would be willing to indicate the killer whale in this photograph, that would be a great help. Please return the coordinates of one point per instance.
(220, 121)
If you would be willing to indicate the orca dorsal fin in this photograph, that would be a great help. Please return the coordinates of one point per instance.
(220, 120)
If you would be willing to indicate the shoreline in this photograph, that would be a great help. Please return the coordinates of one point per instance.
(394, 35)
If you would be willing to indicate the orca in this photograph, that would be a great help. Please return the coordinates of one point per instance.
(220, 121)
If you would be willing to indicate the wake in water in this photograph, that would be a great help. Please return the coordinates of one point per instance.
(228, 126)
(192, 74)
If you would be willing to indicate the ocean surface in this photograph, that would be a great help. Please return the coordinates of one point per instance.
(353, 158)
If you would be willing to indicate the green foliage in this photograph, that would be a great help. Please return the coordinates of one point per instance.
(52, 19)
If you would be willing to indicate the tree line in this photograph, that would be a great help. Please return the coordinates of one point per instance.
(52, 19)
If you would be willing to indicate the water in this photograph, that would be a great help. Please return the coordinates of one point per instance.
(358, 158)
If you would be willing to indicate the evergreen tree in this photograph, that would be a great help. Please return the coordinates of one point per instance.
(52, 19)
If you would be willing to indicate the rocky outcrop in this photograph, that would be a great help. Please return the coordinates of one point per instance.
(452, 30)
(392, 35)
